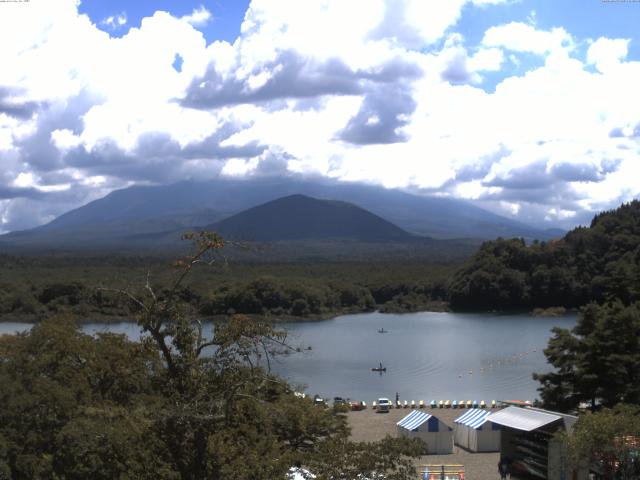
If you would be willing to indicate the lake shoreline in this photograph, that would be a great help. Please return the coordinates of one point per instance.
(436, 307)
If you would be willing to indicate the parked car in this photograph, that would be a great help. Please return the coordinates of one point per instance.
(339, 401)
(384, 405)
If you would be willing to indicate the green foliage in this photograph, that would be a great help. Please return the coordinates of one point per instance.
(107, 443)
(609, 440)
(598, 264)
(598, 361)
(177, 405)
(50, 376)
(269, 295)
(32, 288)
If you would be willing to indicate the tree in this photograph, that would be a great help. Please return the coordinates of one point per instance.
(598, 361)
(53, 377)
(609, 441)
(596, 264)
(182, 403)
(230, 418)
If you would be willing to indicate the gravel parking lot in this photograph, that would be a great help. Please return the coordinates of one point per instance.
(369, 425)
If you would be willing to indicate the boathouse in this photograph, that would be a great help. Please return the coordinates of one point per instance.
(473, 431)
(436, 434)
(527, 443)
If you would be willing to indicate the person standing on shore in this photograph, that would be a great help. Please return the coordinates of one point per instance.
(502, 469)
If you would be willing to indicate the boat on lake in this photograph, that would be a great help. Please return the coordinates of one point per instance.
(382, 330)
(379, 369)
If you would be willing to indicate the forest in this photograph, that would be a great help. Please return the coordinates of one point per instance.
(597, 264)
(32, 287)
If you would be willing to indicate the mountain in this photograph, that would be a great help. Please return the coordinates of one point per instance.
(298, 217)
(135, 215)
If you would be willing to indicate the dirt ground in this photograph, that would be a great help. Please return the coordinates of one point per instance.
(369, 425)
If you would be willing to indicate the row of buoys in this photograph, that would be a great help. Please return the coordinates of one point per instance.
(441, 404)
(503, 361)
(462, 404)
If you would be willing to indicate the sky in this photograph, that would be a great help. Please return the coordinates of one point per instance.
(527, 108)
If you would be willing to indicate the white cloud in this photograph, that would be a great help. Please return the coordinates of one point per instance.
(520, 37)
(24, 180)
(115, 22)
(487, 59)
(393, 98)
(199, 17)
(64, 139)
(511, 207)
(606, 53)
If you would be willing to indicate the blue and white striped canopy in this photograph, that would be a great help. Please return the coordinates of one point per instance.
(414, 420)
(473, 418)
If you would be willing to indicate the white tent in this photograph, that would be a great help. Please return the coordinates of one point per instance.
(436, 434)
(474, 431)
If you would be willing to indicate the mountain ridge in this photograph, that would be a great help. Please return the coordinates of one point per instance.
(140, 212)
(297, 217)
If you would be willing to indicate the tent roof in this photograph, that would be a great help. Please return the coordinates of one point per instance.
(473, 418)
(414, 420)
(523, 418)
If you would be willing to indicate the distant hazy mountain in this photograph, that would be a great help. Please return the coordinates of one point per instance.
(298, 217)
(136, 215)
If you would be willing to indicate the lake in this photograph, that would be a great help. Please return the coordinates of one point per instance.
(427, 355)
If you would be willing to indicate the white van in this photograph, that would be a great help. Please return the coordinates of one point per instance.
(384, 404)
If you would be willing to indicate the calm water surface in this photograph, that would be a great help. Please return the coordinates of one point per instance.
(427, 355)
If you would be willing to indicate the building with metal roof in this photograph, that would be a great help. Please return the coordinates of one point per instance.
(528, 445)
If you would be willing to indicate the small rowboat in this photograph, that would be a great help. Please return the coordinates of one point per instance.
(379, 369)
